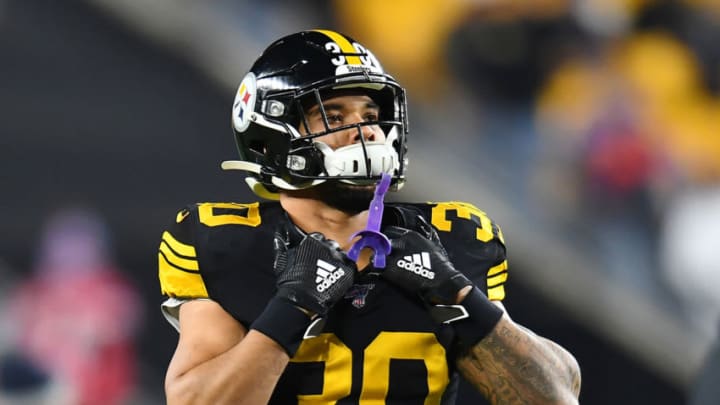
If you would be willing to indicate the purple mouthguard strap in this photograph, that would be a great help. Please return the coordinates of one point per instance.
(371, 237)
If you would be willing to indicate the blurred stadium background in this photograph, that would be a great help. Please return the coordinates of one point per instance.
(588, 129)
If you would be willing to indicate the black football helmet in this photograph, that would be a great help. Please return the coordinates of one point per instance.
(293, 73)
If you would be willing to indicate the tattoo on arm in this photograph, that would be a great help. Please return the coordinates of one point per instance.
(514, 366)
(573, 368)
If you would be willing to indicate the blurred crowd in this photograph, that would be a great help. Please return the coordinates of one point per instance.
(69, 327)
(630, 124)
(603, 116)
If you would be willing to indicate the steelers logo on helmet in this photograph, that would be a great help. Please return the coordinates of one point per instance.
(244, 104)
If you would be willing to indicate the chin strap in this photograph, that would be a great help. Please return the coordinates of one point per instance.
(260, 190)
(257, 187)
(241, 165)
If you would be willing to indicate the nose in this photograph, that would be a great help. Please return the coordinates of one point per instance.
(367, 132)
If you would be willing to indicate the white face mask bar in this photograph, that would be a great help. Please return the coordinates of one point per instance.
(351, 161)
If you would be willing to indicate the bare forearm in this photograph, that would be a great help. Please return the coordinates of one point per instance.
(245, 374)
(566, 359)
(514, 366)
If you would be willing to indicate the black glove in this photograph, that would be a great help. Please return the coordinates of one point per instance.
(313, 275)
(311, 278)
(419, 264)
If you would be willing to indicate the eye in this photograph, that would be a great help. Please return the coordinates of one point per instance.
(371, 116)
(334, 119)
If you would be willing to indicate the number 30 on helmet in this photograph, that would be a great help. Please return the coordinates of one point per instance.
(296, 72)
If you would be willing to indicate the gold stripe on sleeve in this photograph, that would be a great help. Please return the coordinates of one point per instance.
(175, 282)
(181, 248)
(496, 278)
(497, 269)
(176, 261)
(497, 293)
(494, 281)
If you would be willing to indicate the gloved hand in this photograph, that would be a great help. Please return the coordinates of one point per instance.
(419, 264)
(311, 277)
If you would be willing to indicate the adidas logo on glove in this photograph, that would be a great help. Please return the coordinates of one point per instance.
(418, 263)
(326, 275)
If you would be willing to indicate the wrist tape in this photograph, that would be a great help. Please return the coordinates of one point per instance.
(284, 323)
(482, 317)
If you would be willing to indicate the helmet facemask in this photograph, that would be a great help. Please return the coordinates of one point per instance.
(362, 162)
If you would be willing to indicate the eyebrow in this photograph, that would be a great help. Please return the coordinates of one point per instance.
(370, 105)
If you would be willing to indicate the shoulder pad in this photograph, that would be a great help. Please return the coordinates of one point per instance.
(447, 215)
(475, 243)
(178, 263)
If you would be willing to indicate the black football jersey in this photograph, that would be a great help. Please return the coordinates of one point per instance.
(379, 345)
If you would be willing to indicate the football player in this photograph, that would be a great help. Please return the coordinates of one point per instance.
(268, 304)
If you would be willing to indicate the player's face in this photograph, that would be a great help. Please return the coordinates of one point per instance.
(345, 110)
